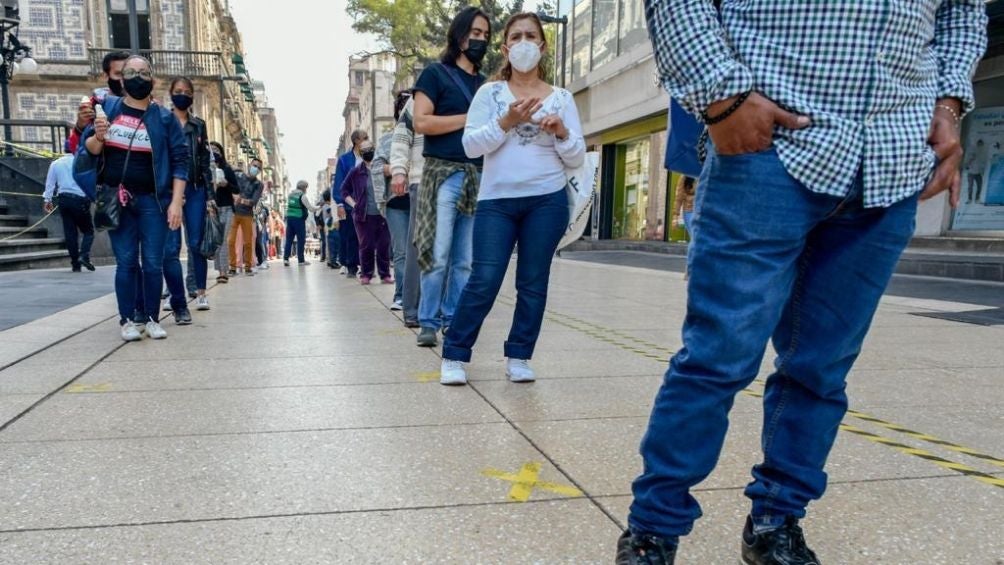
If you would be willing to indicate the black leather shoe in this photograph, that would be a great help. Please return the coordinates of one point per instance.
(644, 550)
(783, 546)
(87, 264)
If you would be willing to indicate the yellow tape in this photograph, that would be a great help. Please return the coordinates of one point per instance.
(601, 333)
(527, 480)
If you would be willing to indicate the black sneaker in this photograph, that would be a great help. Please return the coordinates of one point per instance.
(644, 550)
(75, 268)
(411, 324)
(427, 338)
(182, 317)
(783, 546)
(232, 273)
(87, 264)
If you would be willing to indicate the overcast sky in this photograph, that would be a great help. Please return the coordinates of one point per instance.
(300, 49)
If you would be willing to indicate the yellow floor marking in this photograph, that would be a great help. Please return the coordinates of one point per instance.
(524, 482)
(82, 388)
(396, 332)
(427, 377)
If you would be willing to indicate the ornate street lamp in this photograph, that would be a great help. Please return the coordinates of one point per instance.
(15, 56)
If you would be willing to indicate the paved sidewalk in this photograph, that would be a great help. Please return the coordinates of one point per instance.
(296, 422)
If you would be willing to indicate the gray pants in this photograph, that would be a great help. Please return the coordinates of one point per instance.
(222, 261)
(412, 274)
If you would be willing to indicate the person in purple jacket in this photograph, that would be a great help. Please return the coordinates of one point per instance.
(371, 227)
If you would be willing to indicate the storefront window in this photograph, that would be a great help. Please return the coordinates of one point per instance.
(604, 31)
(632, 25)
(631, 196)
(982, 204)
(581, 32)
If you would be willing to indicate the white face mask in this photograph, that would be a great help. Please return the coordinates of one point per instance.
(524, 56)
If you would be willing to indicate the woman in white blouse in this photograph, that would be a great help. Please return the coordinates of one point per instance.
(528, 132)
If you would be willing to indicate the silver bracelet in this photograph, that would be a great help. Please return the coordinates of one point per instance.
(958, 118)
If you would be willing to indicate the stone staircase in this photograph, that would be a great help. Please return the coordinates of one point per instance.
(33, 249)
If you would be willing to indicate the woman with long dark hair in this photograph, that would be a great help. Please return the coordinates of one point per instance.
(528, 133)
(197, 205)
(144, 154)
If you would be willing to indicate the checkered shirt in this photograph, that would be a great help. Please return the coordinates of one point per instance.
(867, 72)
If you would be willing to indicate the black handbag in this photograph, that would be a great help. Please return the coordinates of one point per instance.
(109, 201)
(212, 235)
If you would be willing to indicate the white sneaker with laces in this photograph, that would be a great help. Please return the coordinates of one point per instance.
(130, 332)
(519, 371)
(452, 373)
(396, 306)
(202, 303)
(167, 304)
(154, 330)
(343, 270)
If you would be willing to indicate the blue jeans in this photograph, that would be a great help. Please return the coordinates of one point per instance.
(350, 243)
(195, 222)
(334, 246)
(536, 223)
(770, 260)
(397, 222)
(296, 228)
(140, 236)
(443, 283)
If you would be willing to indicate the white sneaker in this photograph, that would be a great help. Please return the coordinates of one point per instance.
(519, 371)
(167, 304)
(343, 270)
(452, 373)
(396, 306)
(202, 303)
(154, 330)
(130, 332)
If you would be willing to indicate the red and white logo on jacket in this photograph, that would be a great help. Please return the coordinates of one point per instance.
(123, 129)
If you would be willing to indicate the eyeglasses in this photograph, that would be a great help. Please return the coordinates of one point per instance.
(133, 73)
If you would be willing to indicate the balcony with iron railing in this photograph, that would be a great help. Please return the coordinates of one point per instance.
(193, 64)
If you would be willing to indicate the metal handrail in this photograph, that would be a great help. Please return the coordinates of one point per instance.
(195, 64)
(53, 143)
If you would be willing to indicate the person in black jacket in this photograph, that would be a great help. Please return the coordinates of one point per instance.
(197, 203)
(226, 186)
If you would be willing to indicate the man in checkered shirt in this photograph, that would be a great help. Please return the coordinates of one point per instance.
(828, 121)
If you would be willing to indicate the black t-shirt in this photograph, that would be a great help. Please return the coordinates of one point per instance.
(448, 100)
(137, 174)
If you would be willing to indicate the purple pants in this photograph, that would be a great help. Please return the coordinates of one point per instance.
(374, 242)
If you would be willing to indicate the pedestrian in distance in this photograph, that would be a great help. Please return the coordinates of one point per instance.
(825, 132)
(250, 189)
(142, 150)
(226, 186)
(74, 210)
(371, 227)
(528, 132)
(298, 209)
(198, 203)
(449, 191)
(330, 219)
(349, 251)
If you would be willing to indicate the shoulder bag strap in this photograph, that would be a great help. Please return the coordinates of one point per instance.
(459, 82)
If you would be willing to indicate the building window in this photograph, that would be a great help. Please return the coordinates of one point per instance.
(129, 24)
(604, 31)
(360, 78)
(632, 25)
(581, 33)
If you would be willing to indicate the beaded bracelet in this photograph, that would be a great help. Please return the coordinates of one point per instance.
(731, 110)
(958, 118)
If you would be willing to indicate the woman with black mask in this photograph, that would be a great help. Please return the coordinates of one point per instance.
(444, 221)
(143, 152)
(197, 202)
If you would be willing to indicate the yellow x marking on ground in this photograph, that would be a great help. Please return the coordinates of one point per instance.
(524, 482)
(427, 377)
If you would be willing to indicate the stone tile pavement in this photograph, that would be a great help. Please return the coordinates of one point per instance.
(297, 422)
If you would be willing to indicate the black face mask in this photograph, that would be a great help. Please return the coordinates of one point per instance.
(476, 50)
(138, 87)
(367, 154)
(219, 158)
(182, 101)
(115, 86)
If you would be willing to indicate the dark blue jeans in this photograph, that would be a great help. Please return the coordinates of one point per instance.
(296, 228)
(76, 214)
(334, 246)
(536, 223)
(195, 222)
(350, 242)
(140, 236)
(770, 261)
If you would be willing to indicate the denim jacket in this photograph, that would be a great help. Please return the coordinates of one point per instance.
(170, 150)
